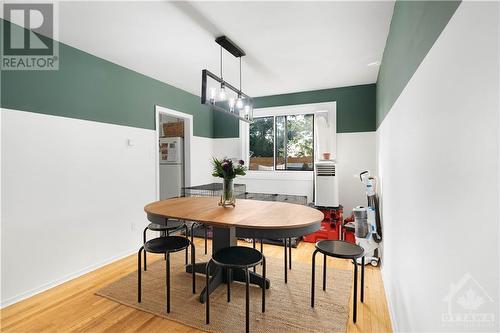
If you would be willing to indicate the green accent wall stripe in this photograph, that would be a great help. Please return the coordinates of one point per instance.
(355, 105)
(90, 88)
(415, 26)
(355, 108)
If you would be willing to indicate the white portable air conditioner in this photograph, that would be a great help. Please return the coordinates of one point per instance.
(326, 189)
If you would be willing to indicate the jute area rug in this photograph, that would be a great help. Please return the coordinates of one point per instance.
(288, 306)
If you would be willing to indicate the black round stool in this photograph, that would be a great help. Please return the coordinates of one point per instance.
(167, 245)
(237, 257)
(343, 250)
(165, 230)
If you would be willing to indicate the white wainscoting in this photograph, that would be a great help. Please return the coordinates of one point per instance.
(280, 182)
(73, 193)
(438, 164)
(230, 147)
(201, 165)
(356, 152)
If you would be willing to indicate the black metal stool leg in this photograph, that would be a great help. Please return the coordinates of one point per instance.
(144, 239)
(324, 272)
(228, 282)
(253, 241)
(165, 234)
(286, 260)
(262, 246)
(355, 296)
(290, 253)
(192, 233)
(313, 270)
(186, 232)
(207, 295)
(193, 259)
(263, 284)
(362, 278)
(139, 271)
(206, 239)
(247, 303)
(167, 268)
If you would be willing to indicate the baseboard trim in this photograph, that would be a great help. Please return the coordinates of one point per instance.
(55, 283)
(392, 315)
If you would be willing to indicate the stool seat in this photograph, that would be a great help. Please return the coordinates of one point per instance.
(166, 244)
(171, 225)
(343, 250)
(237, 256)
(339, 249)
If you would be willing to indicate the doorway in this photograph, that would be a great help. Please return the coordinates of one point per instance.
(174, 132)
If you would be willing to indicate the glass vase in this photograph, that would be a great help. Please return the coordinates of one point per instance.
(227, 197)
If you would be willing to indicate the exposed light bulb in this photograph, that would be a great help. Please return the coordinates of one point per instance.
(212, 95)
(231, 104)
(239, 103)
(222, 93)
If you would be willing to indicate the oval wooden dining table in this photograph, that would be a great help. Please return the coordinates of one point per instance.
(248, 219)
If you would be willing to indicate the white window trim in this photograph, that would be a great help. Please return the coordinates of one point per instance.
(314, 108)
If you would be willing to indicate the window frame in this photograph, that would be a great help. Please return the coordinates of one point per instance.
(315, 108)
(286, 141)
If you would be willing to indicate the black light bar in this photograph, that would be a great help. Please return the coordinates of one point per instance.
(230, 46)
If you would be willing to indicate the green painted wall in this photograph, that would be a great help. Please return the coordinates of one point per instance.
(91, 88)
(355, 108)
(415, 26)
(225, 126)
(355, 105)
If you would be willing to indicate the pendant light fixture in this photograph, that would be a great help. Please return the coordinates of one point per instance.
(239, 101)
(223, 96)
(222, 91)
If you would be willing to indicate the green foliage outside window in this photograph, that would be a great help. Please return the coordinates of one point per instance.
(294, 139)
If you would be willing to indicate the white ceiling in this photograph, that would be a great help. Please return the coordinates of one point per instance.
(290, 46)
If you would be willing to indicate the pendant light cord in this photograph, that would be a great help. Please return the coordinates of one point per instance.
(221, 62)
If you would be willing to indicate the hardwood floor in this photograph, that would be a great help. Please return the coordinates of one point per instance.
(73, 306)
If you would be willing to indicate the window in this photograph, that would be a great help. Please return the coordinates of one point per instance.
(262, 144)
(282, 143)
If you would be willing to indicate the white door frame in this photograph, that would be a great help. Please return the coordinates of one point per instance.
(188, 139)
